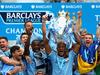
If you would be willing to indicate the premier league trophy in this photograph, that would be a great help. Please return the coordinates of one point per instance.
(60, 29)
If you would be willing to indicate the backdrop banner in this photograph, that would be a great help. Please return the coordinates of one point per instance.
(13, 16)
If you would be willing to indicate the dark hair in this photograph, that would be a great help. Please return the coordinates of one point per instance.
(42, 44)
(13, 49)
(41, 41)
(61, 42)
(26, 22)
(23, 34)
(34, 42)
(4, 38)
(90, 35)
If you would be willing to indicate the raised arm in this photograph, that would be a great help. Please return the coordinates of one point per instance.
(27, 45)
(45, 40)
(77, 37)
(98, 32)
(79, 21)
(77, 27)
(76, 47)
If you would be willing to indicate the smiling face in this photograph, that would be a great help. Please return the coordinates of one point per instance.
(61, 48)
(16, 52)
(24, 38)
(35, 45)
(3, 44)
(88, 39)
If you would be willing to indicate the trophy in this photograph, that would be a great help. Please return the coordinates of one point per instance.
(61, 29)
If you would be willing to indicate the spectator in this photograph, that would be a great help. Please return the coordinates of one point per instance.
(87, 54)
(4, 44)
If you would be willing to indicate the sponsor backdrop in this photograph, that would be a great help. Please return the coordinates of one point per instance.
(13, 16)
